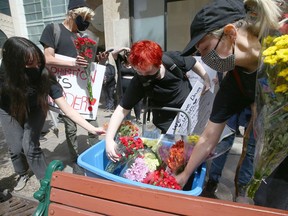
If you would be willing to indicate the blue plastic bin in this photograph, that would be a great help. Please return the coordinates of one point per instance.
(94, 161)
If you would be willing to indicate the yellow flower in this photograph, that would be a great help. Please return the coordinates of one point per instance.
(283, 73)
(273, 59)
(282, 43)
(270, 50)
(281, 88)
(193, 138)
(282, 55)
(268, 40)
(281, 38)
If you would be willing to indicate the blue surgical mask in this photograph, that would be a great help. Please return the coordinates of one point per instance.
(82, 25)
(216, 62)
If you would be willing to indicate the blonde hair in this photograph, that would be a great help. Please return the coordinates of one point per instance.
(85, 12)
(261, 15)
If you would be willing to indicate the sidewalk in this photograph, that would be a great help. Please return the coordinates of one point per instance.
(56, 148)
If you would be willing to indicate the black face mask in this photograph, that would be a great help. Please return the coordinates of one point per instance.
(147, 80)
(34, 74)
(82, 25)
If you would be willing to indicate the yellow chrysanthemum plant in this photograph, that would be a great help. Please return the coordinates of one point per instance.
(272, 110)
(276, 59)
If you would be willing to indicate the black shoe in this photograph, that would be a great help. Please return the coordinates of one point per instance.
(210, 189)
(5, 195)
(78, 170)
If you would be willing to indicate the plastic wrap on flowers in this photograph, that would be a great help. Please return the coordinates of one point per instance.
(189, 143)
(162, 178)
(127, 147)
(86, 48)
(128, 129)
(272, 110)
(137, 168)
(173, 156)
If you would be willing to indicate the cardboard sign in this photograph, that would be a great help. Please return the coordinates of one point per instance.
(74, 83)
(197, 106)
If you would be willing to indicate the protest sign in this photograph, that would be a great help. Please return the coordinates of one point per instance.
(74, 83)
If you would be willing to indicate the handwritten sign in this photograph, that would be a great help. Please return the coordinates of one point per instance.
(74, 83)
(197, 106)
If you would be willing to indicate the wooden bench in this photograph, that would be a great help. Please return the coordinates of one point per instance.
(64, 193)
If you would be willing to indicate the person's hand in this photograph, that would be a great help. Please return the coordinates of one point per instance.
(181, 179)
(99, 131)
(102, 57)
(111, 151)
(207, 86)
(80, 61)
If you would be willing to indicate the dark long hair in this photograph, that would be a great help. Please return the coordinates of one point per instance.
(17, 51)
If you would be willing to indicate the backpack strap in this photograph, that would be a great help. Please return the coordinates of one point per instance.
(171, 66)
(56, 33)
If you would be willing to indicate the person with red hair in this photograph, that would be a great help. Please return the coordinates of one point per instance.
(162, 86)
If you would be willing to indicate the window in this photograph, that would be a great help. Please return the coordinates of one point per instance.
(4, 7)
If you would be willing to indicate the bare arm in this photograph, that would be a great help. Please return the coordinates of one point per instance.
(199, 69)
(49, 53)
(207, 142)
(116, 52)
(76, 117)
(116, 119)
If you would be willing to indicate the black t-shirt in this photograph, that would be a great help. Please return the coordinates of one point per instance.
(65, 45)
(55, 92)
(233, 96)
(170, 91)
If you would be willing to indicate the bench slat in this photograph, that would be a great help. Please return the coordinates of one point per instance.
(152, 199)
(60, 210)
(99, 205)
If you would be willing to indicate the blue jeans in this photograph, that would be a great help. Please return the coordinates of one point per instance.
(246, 170)
(23, 142)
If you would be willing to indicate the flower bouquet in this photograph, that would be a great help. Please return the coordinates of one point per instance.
(86, 48)
(162, 178)
(126, 149)
(189, 143)
(137, 168)
(272, 110)
(127, 128)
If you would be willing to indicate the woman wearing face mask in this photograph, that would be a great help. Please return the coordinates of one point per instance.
(228, 39)
(24, 87)
(161, 86)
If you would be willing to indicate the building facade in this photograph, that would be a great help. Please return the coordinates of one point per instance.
(116, 23)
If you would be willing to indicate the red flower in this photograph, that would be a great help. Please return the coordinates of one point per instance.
(131, 144)
(163, 179)
(87, 49)
(92, 102)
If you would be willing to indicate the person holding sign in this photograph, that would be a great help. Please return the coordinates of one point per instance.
(59, 39)
(162, 86)
(227, 38)
(25, 85)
